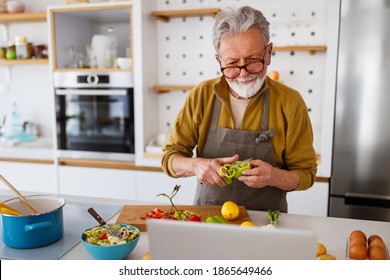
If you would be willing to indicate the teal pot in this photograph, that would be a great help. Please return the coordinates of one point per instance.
(32, 230)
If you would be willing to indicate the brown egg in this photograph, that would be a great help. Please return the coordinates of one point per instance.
(378, 242)
(356, 233)
(377, 253)
(357, 240)
(373, 237)
(358, 252)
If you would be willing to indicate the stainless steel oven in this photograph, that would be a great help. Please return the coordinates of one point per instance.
(95, 115)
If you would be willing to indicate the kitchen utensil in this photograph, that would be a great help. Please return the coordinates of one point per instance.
(33, 230)
(21, 197)
(101, 221)
(131, 214)
(240, 162)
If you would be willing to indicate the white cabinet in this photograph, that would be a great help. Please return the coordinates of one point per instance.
(34, 177)
(313, 201)
(97, 182)
(150, 184)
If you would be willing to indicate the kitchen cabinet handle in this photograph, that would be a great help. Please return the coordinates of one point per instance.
(90, 92)
(367, 200)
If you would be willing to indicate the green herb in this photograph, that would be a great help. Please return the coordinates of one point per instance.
(174, 192)
(273, 216)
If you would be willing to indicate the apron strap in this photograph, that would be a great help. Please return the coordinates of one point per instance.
(264, 117)
(214, 120)
(265, 133)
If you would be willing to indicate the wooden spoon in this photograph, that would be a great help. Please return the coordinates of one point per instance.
(21, 197)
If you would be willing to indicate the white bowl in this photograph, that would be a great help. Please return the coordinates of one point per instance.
(124, 62)
(14, 7)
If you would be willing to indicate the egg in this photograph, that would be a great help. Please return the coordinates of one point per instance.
(357, 233)
(373, 237)
(358, 252)
(377, 253)
(378, 242)
(357, 240)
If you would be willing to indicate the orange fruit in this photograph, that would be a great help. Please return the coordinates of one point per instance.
(274, 75)
(377, 253)
(358, 252)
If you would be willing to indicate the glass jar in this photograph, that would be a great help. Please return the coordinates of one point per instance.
(21, 47)
(11, 52)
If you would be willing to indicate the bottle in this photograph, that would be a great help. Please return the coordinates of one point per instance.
(21, 47)
(16, 121)
(112, 48)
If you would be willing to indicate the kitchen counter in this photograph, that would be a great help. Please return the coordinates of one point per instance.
(332, 232)
(40, 149)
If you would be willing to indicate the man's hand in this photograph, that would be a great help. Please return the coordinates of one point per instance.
(264, 174)
(207, 170)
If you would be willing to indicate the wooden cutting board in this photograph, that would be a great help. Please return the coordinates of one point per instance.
(131, 214)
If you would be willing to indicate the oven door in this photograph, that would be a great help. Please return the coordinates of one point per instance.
(95, 120)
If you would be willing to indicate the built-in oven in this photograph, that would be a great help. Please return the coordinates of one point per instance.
(95, 115)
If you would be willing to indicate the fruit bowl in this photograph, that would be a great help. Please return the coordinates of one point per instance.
(111, 252)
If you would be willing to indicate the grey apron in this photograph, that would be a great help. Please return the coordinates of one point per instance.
(225, 142)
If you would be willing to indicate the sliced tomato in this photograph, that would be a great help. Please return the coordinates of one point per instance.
(103, 236)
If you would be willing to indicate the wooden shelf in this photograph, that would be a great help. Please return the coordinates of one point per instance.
(92, 70)
(311, 49)
(23, 17)
(168, 88)
(166, 15)
(10, 62)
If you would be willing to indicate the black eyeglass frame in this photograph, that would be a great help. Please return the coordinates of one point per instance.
(245, 66)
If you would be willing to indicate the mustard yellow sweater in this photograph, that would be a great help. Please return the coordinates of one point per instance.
(292, 142)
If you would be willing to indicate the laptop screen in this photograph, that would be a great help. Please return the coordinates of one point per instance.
(178, 240)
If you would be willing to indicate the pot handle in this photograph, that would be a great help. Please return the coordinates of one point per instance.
(38, 226)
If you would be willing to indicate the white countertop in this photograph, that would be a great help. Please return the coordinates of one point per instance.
(332, 232)
(40, 149)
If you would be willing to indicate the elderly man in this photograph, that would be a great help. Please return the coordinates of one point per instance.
(243, 114)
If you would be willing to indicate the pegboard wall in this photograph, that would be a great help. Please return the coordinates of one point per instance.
(186, 55)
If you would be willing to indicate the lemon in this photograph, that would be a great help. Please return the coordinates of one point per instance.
(230, 210)
(146, 256)
(321, 249)
(247, 224)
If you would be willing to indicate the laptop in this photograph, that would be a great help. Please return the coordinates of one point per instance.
(176, 240)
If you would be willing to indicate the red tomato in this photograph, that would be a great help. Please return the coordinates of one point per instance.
(103, 236)
(194, 218)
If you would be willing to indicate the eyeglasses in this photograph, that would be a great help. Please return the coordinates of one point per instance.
(231, 72)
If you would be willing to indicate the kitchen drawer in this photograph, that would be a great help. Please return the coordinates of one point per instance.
(97, 182)
(36, 177)
(313, 201)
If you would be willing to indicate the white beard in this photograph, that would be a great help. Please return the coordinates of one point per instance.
(246, 90)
